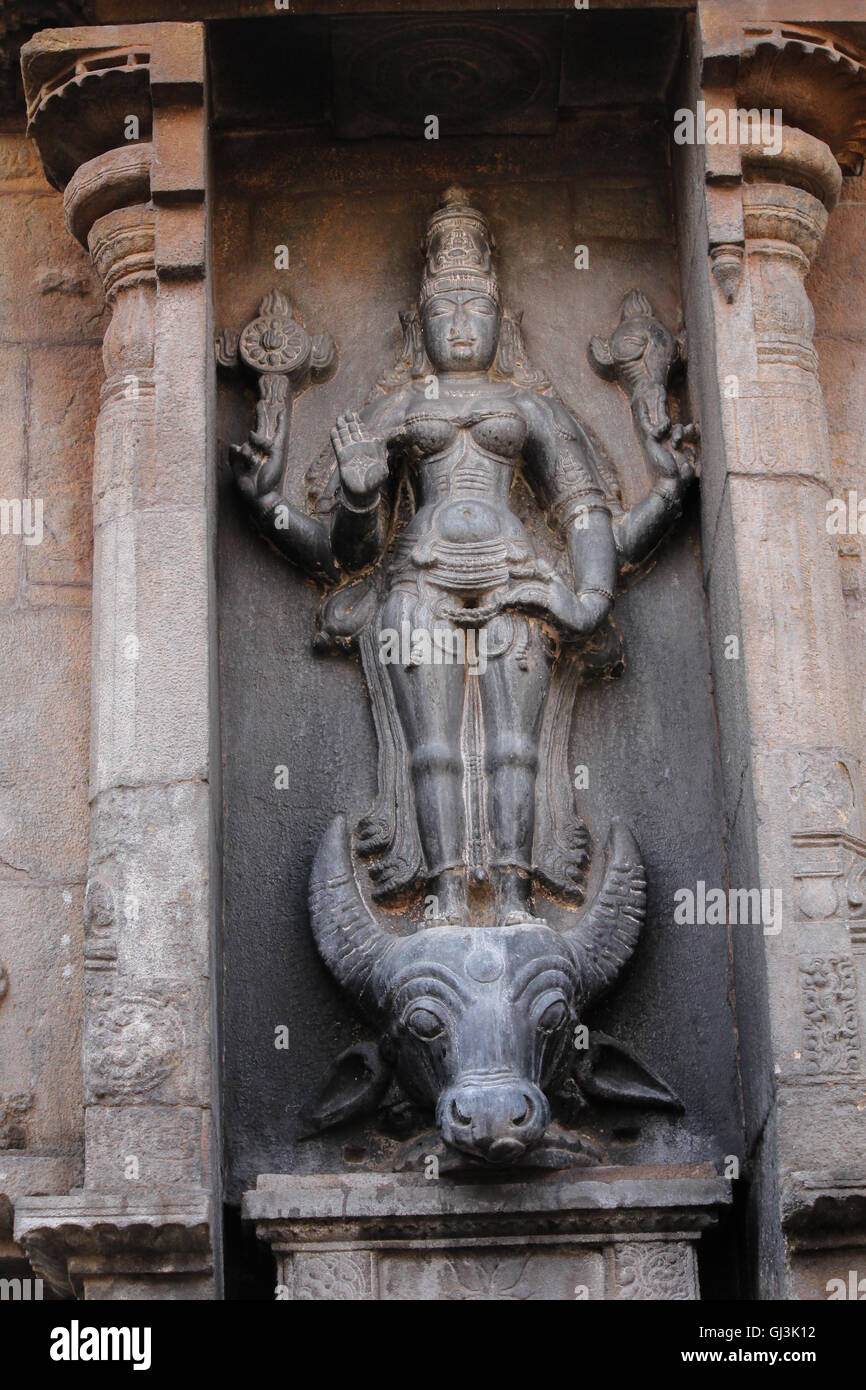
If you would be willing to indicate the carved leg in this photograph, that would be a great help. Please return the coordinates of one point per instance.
(429, 700)
(513, 690)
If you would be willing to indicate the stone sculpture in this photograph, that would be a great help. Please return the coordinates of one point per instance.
(474, 632)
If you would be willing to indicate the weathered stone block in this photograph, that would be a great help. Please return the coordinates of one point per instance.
(13, 369)
(64, 399)
(150, 720)
(48, 291)
(144, 1147)
(45, 659)
(41, 1090)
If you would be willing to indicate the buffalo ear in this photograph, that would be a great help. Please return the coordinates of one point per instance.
(601, 357)
(608, 1070)
(356, 1083)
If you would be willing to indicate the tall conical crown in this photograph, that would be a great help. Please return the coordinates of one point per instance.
(457, 249)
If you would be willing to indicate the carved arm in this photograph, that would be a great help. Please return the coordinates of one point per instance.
(639, 530)
(284, 358)
(259, 466)
(564, 472)
(640, 356)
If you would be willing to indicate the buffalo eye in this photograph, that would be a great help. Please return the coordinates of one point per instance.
(553, 1017)
(424, 1024)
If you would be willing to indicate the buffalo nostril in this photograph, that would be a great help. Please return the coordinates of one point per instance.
(457, 1114)
(521, 1115)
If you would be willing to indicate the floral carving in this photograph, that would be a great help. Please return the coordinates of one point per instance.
(275, 341)
(656, 1271)
(134, 1043)
(332, 1275)
(488, 1277)
(830, 1034)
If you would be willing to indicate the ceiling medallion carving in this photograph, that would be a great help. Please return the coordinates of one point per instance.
(473, 73)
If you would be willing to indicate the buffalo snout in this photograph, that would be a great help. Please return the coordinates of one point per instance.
(496, 1121)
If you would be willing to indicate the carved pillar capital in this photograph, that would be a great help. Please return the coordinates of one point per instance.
(815, 77)
(795, 75)
(788, 195)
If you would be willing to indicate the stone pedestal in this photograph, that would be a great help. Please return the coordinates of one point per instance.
(613, 1234)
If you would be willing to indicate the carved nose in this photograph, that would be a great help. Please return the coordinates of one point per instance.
(493, 1120)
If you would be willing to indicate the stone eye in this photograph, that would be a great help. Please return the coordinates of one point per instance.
(424, 1024)
(553, 1017)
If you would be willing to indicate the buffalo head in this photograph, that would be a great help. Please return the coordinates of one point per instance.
(477, 1022)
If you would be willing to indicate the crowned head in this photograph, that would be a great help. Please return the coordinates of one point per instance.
(460, 300)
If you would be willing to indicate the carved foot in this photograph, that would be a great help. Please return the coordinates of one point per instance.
(520, 917)
(514, 901)
(447, 900)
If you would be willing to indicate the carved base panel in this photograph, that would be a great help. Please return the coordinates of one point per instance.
(621, 1234)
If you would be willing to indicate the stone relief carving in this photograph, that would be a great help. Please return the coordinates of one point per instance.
(488, 1278)
(100, 926)
(831, 1041)
(650, 1271)
(475, 624)
(13, 1110)
(134, 1042)
(332, 1275)
(830, 878)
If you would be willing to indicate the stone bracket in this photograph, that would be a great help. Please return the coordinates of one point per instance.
(90, 1239)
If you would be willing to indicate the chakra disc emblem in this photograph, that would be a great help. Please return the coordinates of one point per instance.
(271, 344)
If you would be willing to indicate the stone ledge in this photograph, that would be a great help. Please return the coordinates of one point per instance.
(612, 1199)
(825, 1208)
(68, 1238)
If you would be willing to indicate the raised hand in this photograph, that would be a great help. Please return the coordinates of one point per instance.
(361, 457)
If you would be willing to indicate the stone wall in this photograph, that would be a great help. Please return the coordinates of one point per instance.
(51, 327)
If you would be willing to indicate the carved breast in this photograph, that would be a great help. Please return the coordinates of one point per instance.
(502, 433)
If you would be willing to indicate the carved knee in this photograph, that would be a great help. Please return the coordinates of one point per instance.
(436, 759)
(511, 750)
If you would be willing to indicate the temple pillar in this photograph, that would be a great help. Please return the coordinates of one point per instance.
(118, 116)
(753, 216)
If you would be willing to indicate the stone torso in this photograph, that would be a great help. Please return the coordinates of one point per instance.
(463, 451)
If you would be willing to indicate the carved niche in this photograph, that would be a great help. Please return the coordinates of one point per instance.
(471, 538)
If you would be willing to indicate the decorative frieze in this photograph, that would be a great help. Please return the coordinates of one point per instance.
(831, 1037)
(653, 1271)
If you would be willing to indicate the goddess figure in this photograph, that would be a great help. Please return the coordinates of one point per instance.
(416, 531)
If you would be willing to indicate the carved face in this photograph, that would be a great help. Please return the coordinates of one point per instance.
(482, 1019)
(461, 331)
